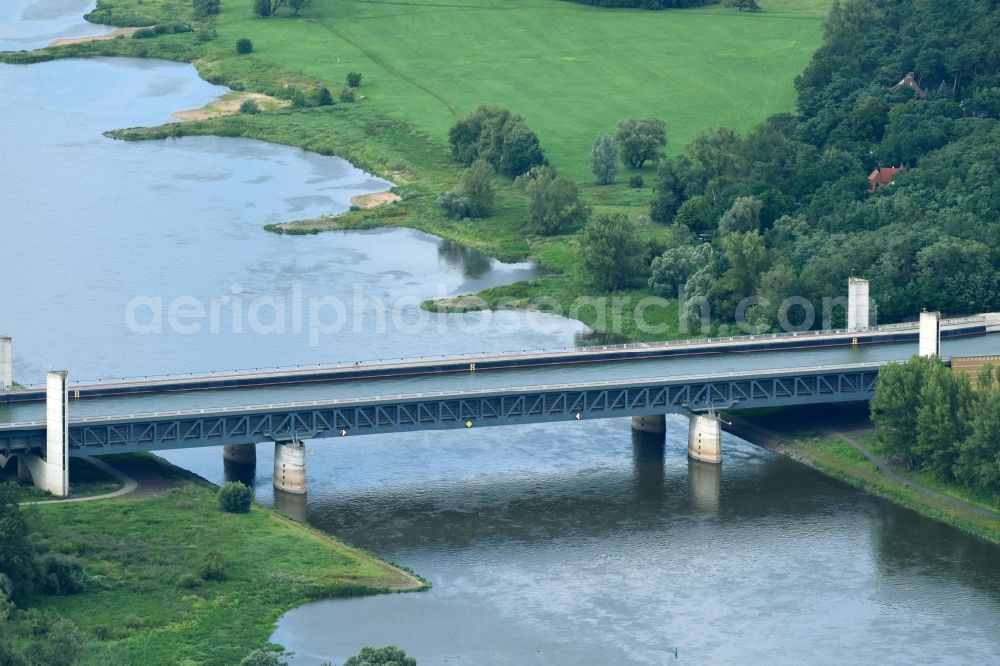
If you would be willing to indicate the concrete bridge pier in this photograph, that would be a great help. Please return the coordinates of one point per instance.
(930, 334)
(51, 473)
(290, 467)
(705, 438)
(6, 363)
(240, 454)
(655, 425)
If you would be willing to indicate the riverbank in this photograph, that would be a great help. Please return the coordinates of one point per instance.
(147, 600)
(840, 442)
(390, 131)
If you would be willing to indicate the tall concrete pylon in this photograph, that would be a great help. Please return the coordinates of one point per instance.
(52, 472)
(930, 334)
(6, 363)
(858, 304)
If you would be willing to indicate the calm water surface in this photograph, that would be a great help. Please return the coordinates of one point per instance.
(570, 543)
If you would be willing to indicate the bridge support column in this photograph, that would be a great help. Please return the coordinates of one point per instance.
(857, 304)
(930, 334)
(656, 424)
(240, 454)
(290, 467)
(705, 438)
(52, 472)
(6, 363)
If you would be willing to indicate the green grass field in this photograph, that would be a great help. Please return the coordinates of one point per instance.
(572, 71)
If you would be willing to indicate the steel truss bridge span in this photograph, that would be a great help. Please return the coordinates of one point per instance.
(445, 410)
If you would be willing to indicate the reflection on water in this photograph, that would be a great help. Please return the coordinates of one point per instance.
(472, 263)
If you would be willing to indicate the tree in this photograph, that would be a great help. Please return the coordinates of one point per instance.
(389, 655)
(978, 462)
(746, 256)
(477, 185)
(742, 216)
(266, 8)
(244, 45)
(640, 140)
(672, 269)
(203, 8)
(454, 204)
(299, 5)
(354, 79)
(16, 554)
(554, 202)
(668, 194)
(604, 159)
(895, 403)
(235, 497)
(499, 137)
(249, 107)
(262, 658)
(939, 428)
(323, 97)
(610, 251)
(750, 5)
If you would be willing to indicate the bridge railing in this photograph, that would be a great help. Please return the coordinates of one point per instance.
(471, 356)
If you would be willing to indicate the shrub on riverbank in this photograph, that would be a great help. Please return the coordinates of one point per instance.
(235, 497)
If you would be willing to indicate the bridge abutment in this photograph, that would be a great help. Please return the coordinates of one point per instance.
(240, 454)
(655, 424)
(6, 363)
(930, 334)
(290, 467)
(705, 438)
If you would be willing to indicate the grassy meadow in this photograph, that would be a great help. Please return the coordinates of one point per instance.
(147, 599)
(572, 71)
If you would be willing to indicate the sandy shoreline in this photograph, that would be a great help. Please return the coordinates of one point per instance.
(119, 32)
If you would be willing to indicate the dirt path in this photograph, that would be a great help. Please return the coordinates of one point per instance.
(129, 485)
(889, 473)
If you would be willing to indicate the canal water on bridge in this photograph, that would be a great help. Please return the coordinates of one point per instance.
(568, 543)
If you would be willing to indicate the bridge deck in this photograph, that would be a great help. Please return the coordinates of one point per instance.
(561, 369)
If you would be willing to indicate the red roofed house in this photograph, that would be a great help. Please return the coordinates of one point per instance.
(882, 176)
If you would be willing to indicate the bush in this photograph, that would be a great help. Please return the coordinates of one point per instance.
(250, 106)
(61, 574)
(636, 182)
(244, 45)
(454, 204)
(389, 655)
(143, 33)
(323, 97)
(354, 79)
(235, 497)
(188, 581)
(206, 34)
(203, 8)
(347, 95)
(213, 567)
(299, 100)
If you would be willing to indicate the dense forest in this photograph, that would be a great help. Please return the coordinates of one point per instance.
(792, 209)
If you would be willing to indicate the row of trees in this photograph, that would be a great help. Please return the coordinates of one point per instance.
(791, 198)
(929, 418)
(268, 8)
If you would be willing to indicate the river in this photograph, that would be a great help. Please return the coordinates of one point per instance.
(573, 544)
